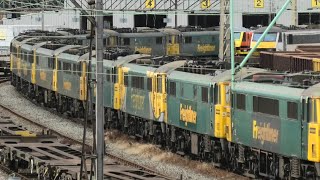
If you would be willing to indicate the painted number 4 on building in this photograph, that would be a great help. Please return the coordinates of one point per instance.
(150, 3)
(205, 4)
(258, 3)
(315, 3)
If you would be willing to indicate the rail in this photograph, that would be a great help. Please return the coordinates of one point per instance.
(110, 155)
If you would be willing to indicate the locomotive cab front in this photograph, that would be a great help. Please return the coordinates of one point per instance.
(313, 114)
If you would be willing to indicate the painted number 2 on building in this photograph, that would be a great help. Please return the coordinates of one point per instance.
(259, 3)
(315, 3)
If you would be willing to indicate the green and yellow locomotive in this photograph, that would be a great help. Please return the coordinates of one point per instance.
(171, 42)
(263, 125)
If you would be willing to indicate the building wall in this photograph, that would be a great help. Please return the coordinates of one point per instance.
(122, 19)
(52, 20)
(245, 6)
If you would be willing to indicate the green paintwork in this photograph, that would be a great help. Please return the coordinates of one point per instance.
(200, 38)
(108, 84)
(43, 55)
(137, 101)
(69, 76)
(26, 55)
(189, 90)
(290, 135)
(146, 40)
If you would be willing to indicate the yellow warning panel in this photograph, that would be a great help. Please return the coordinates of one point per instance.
(3, 35)
(258, 3)
(26, 133)
(150, 4)
(315, 3)
(205, 4)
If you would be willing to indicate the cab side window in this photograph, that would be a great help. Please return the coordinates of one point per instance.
(241, 101)
(204, 93)
(266, 106)
(292, 110)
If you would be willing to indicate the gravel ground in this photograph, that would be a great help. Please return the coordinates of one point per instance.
(3, 175)
(119, 145)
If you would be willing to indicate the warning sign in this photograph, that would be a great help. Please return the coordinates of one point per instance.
(205, 4)
(258, 3)
(315, 3)
(150, 4)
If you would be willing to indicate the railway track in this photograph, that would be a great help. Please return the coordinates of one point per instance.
(219, 175)
(132, 166)
(4, 78)
(7, 170)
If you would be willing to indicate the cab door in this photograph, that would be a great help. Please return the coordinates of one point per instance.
(222, 125)
(159, 96)
(83, 80)
(119, 86)
(313, 130)
(173, 47)
(112, 41)
(55, 74)
(33, 68)
(279, 46)
(18, 58)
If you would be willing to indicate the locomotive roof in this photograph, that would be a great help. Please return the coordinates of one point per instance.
(313, 91)
(22, 40)
(208, 79)
(107, 63)
(139, 69)
(27, 47)
(243, 73)
(147, 34)
(69, 57)
(199, 79)
(168, 68)
(128, 59)
(241, 29)
(301, 32)
(85, 57)
(110, 32)
(269, 90)
(64, 48)
(272, 30)
(170, 31)
(199, 33)
(45, 51)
